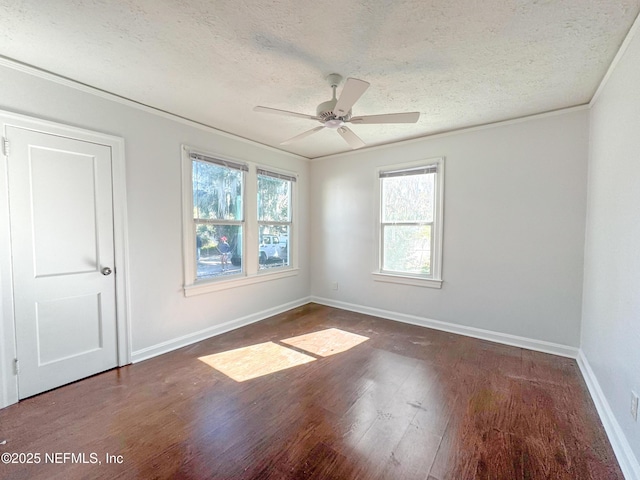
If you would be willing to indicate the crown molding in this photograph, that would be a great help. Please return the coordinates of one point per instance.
(621, 51)
(474, 128)
(68, 82)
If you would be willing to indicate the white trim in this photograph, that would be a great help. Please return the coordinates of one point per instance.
(8, 380)
(627, 460)
(188, 240)
(234, 282)
(121, 246)
(447, 133)
(251, 272)
(21, 67)
(504, 338)
(183, 341)
(621, 51)
(294, 203)
(435, 280)
(406, 280)
(37, 72)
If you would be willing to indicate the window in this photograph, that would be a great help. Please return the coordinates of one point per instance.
(274, 218)
(238, 223)
(218, 215)
(410, 226)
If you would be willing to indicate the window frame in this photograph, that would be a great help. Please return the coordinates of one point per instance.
(434, 280)
(243, 168)
(292, 179)
(250, 273)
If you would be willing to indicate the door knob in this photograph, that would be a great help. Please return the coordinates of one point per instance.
(106, 271)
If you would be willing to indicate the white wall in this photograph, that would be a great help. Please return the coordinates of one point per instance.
(514, 215)
(611, 308)
(514, 228)
(159, 310)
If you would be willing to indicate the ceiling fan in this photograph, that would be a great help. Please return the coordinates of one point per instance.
(335, 113)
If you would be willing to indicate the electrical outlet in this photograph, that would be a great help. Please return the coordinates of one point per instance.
(634, 405)
(334, 286)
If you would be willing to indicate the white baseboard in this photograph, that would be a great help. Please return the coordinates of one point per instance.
(625, 456)
(173, 344)
(627, 460)
(504, 338)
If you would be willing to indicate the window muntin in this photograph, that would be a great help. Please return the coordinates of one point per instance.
(218, 216)
(274, 195)
(234, 218)
(409, 221)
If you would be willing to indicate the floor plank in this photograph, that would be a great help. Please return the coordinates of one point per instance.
(407, 402)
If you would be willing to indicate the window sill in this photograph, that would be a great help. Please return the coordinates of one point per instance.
(208, 286)
(407, 280)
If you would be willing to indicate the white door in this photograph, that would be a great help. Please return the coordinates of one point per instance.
(61, 214)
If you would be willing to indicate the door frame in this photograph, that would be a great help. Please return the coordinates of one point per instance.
(8, 344)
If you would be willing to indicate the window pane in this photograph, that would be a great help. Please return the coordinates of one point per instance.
(407, 249)
(217, 192)
(274, 199)
(408, 198)
(274, 246)
(218, 250)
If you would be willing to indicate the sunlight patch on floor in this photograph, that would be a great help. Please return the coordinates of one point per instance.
(326, 342)
(245, 363)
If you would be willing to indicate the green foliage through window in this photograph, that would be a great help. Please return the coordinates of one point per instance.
(407, 215)
(274, 219)
(218, 217)
(217, 192)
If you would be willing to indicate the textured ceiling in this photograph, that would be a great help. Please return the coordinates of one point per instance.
(458, 62)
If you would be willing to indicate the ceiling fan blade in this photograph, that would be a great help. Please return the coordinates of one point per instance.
(410, 117)
(351, 92)
(283, 112)
(351, 138)
(302, 135)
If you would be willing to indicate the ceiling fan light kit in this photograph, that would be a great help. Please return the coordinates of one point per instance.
(335, 113)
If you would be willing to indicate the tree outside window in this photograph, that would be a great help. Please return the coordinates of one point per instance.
(408, 221)
(218, 217)
(274, 219)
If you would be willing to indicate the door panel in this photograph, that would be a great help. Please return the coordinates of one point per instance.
(68, 327)
(62, 237)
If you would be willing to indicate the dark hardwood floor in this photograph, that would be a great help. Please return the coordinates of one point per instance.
(407, 403)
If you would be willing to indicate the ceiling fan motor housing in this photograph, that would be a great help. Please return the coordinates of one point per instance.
(325, 113)
(335, 113)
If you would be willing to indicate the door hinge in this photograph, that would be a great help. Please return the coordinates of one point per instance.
(16, 366)
(5, 146)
